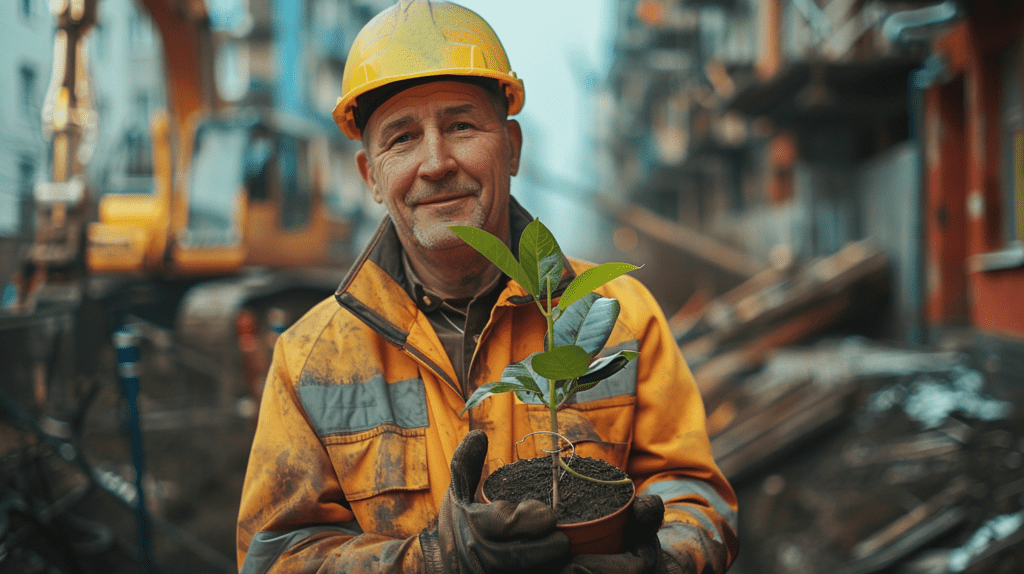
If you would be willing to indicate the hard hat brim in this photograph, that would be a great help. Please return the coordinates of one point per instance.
(344, 112)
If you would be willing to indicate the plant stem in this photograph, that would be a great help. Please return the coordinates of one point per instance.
(590, 478)
(552, 401)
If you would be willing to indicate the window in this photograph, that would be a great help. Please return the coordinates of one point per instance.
(26, 182)
(28, 89)
(232, 68)
(1012, 166)
(140, 31)
(229, 15)
(139, 154)
(293, 163)
(1013, 143)
(214, 178)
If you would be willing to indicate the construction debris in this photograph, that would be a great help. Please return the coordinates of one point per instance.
(737, 331)
(850, 455)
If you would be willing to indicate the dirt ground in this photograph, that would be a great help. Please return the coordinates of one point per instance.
(194, 458)
(923, 477)
(810, 512)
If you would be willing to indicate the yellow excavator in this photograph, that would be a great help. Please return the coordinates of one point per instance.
(236, 228)
(233, 188)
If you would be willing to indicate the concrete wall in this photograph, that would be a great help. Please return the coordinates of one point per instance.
(888, 187)
(836, 203)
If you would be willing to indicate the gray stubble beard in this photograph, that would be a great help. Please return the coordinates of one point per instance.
(438, 236)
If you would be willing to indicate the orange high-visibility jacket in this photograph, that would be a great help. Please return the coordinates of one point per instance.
(360, 418)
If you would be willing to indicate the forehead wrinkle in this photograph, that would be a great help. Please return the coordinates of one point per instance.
(457, 110)
(394, 125)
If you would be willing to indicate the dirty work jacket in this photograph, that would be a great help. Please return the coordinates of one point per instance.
(360, 418)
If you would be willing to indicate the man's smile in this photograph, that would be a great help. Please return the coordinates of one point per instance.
(439, 199)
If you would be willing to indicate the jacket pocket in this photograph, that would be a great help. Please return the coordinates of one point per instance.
(383, 473)
(599, 429)
(383, 459)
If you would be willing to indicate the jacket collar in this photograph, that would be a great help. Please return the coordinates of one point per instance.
(376, 287)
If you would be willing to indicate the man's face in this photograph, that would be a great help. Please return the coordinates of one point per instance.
(439, 154)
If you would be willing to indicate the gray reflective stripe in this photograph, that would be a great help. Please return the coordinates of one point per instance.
(620, 384)
(669, 489)
(358, 407)
(267, 547)
(668, 529)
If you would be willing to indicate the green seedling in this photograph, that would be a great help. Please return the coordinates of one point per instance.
(577, 328)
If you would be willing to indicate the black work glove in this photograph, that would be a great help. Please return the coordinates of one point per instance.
(472, 538)
(641, 550)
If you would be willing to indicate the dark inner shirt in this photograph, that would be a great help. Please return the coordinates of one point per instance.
(457, 322)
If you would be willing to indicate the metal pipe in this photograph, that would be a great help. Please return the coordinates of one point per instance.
(905, 27)
(915, 25)
(126, 343)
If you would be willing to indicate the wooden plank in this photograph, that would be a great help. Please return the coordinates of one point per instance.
(899, 528)
(760, 438)
(713, 375)
(688, 240)
(909, 542)
(853, 276)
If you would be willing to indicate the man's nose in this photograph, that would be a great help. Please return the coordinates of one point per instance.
(438, 161)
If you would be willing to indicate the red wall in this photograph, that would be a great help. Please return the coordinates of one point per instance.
(964, 195)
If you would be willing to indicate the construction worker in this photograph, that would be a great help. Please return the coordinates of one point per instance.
(361, 460)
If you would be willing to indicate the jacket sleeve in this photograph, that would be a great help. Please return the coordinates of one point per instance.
(293, 516)
(671, 453)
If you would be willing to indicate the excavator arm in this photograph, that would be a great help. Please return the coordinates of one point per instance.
(135, 231)
(184, 29)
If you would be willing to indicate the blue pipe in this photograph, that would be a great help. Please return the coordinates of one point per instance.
(920, 80)
(910, 25)
(126, 343)
(905, 27)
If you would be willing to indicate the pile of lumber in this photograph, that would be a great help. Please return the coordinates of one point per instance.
(851, 455)
(736, 332)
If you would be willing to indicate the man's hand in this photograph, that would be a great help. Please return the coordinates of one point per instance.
(641, 550)
(472, 538)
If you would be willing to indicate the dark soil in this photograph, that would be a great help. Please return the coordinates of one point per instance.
(581, 500)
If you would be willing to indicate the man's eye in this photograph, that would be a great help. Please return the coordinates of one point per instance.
(462, 126)
(401, 139)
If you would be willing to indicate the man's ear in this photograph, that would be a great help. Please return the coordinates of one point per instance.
(366, 171)
(515, 138)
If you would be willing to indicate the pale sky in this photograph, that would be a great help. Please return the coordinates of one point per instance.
(561, 49)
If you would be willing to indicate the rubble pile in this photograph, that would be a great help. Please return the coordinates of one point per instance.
(851, 455)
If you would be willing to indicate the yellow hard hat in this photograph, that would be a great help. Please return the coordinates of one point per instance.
(421, 39)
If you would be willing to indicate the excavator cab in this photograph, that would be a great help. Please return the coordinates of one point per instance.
(251, 197)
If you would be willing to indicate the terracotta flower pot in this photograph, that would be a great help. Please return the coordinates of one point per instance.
(602, 535)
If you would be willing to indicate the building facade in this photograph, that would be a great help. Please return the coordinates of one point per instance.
(788, 128)
(283, 56)
(27, 49)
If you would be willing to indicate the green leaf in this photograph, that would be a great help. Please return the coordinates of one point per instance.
(606, 367)
(575, 388)
(495, 251)
(488, 389)
(599, 371)
(521, 374)
(530, 398)
(588, 323)
(592, 279)
(534, 385)
(550, 269)
(540, 257)
(561, 363)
